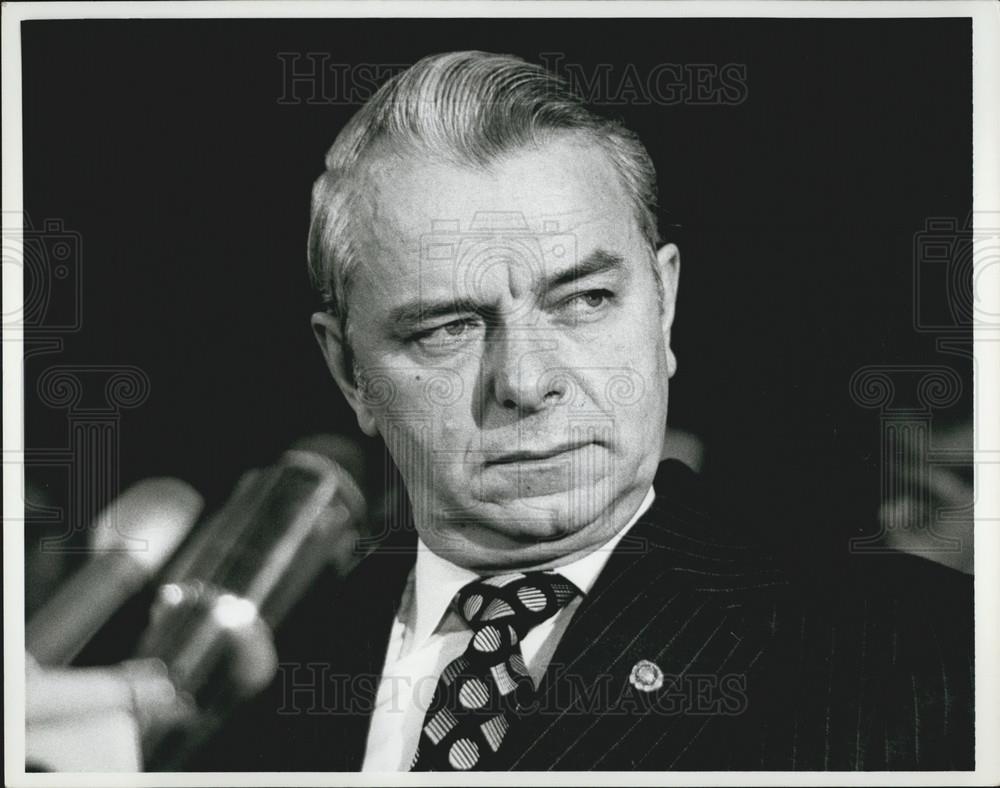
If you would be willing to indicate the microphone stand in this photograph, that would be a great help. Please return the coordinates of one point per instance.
(212, 621)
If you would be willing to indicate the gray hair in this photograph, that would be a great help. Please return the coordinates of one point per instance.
(468, 108)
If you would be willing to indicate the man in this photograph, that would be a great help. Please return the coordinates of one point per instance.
(499, 312)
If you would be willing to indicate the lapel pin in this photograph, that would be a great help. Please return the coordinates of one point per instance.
(646, 676)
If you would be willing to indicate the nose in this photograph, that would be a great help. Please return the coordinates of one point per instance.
(517, 371)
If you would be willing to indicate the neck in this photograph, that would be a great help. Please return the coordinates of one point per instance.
(485, 552)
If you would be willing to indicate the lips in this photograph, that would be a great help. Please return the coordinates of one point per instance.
(534, 455)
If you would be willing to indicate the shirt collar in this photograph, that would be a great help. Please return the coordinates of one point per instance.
(437, 579)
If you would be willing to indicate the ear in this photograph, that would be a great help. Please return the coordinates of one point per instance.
(668, 265)
(327, 329)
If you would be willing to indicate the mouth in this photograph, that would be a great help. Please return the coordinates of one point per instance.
(535, 455)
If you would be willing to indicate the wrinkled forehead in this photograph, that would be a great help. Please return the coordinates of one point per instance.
(542, 206)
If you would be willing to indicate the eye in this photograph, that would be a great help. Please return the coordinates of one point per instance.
(594, 298)
(588, 302)
(455, 328)
(446, 334)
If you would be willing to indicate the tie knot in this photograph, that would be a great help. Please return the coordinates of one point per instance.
(522, 599)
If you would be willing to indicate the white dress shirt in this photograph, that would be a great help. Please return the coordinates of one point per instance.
(427, 634)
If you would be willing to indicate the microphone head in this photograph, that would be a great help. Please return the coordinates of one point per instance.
(148, 521)
(132, 539)
(342, 450)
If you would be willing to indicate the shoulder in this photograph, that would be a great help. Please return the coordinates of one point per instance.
(704, 553)
(684, 524)
(880, 614)
(873, 664)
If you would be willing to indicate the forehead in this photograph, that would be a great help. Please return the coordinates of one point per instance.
(567, 186)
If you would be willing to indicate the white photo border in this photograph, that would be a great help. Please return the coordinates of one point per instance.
(985, 16)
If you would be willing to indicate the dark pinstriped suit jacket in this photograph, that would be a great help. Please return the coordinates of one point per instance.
(758, 672)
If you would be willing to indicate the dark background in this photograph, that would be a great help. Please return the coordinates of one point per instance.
(164, 145)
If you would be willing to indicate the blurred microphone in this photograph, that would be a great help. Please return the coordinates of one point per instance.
(133, 538)
(240, 573)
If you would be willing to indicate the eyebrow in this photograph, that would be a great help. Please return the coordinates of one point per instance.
(413, 312)
(597, 262)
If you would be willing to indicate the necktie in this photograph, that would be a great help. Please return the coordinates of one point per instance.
(481, 692)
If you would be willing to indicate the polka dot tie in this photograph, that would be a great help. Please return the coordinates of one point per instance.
(482, 692)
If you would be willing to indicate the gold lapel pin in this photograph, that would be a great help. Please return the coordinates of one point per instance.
(646, 676)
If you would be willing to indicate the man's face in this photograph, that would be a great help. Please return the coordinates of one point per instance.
(512, 350)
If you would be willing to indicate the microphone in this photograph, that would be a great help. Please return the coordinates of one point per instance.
(134, 537)
(234, 581)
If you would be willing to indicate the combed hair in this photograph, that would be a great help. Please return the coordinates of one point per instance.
(469, 108)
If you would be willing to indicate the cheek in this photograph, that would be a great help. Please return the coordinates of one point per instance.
(622, 366)
(398, 400)
(628, 382)
(424, 417)
(451, 431)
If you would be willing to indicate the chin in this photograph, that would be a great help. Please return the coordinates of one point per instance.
(490, 553)
(544, 517)
(537, 528)
(519, 535)
(495, 528)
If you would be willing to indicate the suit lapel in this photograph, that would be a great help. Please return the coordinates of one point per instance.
(671, 594)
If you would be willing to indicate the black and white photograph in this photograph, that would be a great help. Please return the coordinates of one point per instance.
(597, 389)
